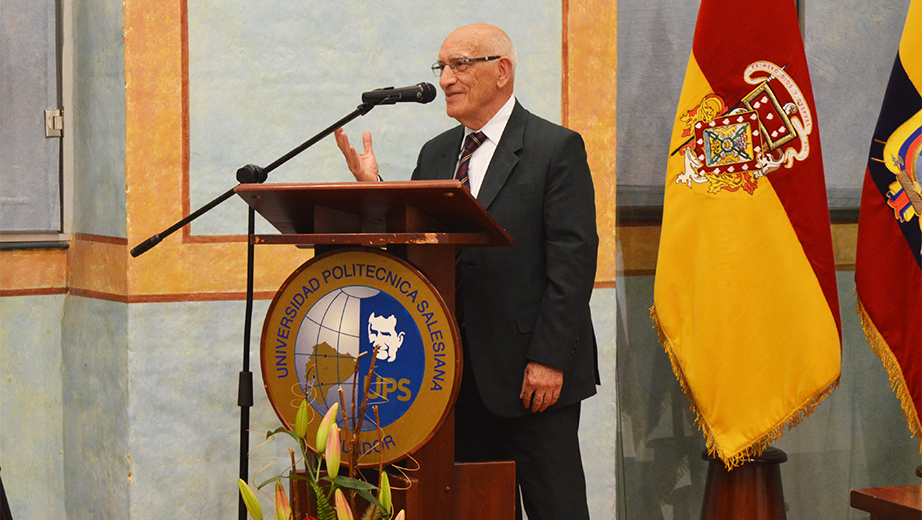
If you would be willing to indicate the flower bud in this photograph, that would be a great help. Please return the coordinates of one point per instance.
(343, 512)
(384, 493)
(282, 508)
(301, 419)
(250, 500)
(333, 452)
(323, 431)
(399, 515)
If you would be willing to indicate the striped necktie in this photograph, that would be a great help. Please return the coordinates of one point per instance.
(471, 143)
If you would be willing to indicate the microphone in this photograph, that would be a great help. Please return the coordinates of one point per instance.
(420, 93)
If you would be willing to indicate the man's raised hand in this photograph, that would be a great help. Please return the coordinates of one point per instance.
(363, 166)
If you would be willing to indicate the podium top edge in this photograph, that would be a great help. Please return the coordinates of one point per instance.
(294, 208)
(448, 184)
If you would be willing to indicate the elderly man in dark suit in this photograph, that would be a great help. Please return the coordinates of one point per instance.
(529, 347)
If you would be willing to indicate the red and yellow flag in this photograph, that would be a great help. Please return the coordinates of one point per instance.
(745, 295)
(888, 265)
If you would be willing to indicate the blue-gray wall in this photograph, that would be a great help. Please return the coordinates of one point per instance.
(95, 397)
(31, 405)
(97, 118)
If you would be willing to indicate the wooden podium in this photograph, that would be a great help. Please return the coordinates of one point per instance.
(424, 223)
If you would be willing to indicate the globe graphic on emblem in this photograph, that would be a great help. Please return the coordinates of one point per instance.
(334, 333)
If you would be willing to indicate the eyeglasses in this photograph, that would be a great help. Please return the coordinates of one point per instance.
(458, 64)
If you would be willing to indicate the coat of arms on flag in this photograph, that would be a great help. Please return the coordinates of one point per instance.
(732, 148)
(902, 157)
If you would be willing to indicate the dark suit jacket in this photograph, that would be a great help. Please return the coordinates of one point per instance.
(529, 302)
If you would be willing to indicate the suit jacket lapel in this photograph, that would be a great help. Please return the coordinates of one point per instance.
(505, 157)
(448, 162)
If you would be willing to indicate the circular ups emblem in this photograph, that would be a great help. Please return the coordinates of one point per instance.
(319, 342)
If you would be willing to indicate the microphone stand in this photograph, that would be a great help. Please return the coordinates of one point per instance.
(247, 175)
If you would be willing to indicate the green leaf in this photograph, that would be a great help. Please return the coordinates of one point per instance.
(361, 487)
(324, 509)
(270, 481)
(351, 483)
(284, 430)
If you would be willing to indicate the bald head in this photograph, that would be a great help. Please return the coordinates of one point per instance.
(488, 39)
(473, 95)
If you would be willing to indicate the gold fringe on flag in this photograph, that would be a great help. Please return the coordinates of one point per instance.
(757, 446)
(894, 371)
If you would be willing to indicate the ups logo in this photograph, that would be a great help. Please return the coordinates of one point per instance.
(362, 318)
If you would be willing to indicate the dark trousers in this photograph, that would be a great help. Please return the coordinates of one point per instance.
(544, 446)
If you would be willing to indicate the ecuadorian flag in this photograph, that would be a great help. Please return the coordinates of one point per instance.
(888, 265)
(745, 291)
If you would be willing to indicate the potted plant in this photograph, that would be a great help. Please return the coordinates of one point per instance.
(322, 475)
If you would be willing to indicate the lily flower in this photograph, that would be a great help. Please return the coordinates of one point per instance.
(250, 500)
(343, 512)
(332, 452)
(399, 515)
(301, 419)
(384, 493)
(282, 507)
(323, 432)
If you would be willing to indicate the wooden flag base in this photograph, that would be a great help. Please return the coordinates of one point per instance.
(748, 492)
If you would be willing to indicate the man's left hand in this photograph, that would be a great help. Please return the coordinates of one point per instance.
(541, 386)
(363, 166)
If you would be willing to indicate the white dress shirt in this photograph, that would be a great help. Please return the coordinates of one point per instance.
(494, 128)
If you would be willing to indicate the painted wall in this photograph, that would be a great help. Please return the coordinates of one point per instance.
(98, 118)
(96, 391)
(184, 439)
(31, 405)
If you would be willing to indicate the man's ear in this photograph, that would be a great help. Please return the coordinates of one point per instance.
(505, 72)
